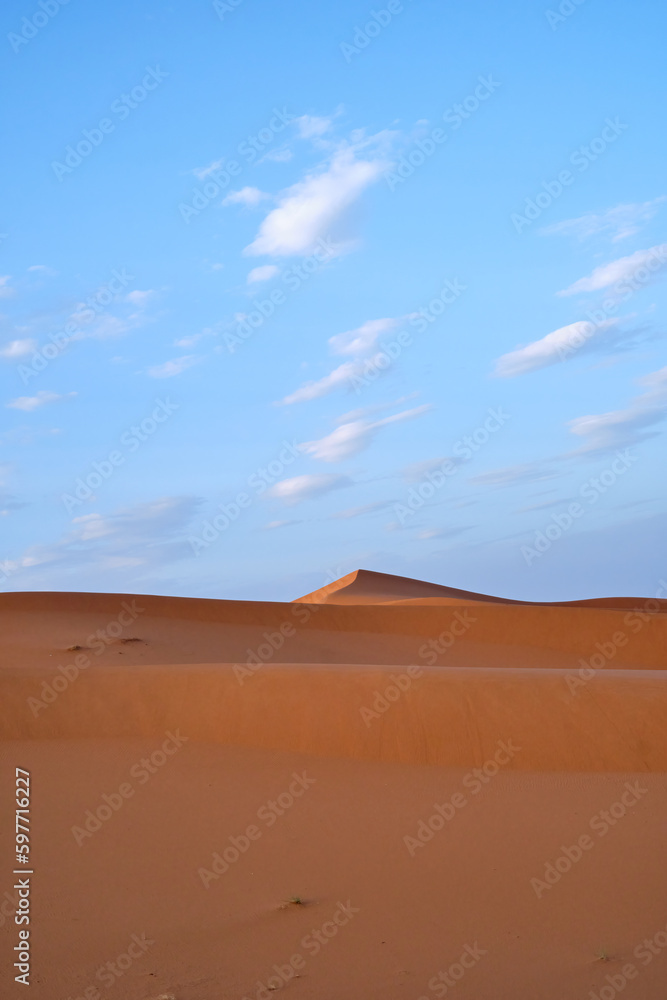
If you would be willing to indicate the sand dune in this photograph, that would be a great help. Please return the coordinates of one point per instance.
(366, 587)
(428, 751)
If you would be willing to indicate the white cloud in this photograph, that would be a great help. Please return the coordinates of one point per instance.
(190, 341)
(30, 403)
(312, 126)
(250, 196)
(364, 338)
(622, 428)
(92, 526)
(619, 222)
(553, 348)
(5, 289)
(263, 273)
(283, 154)
(351, 438)
(201, 173)
(307, 210)
(100, 326)
(139, 298)
(619, 270)
(366, 411)
(345, 441)
(334, 380)
(49, 271)
(293, 491)
(173, 367)
(194, 338)
(18, 349)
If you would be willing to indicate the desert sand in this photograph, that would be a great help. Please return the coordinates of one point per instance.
(383, 789)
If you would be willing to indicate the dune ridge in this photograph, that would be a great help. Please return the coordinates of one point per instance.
(419, 753)
(364, 586)
(581, 683)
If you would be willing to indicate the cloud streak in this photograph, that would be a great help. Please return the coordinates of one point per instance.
(248, 196)
(619, 222)
(555, 347)
(339, 377)
(364, 338)
(307, 487)
(30, 403)
(630, 426)
(349, 439)
(620, 270)
(174, 367)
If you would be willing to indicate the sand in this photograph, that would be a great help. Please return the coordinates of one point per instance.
(463, 795)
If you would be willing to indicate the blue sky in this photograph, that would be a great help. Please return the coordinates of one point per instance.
(408, 259)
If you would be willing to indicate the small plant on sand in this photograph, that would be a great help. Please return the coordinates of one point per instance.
(293, 901)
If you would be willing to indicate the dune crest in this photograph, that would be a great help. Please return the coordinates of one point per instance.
(364, 586)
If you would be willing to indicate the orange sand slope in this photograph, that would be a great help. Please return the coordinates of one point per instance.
(435, 680)
(468, 795)
(366, 587)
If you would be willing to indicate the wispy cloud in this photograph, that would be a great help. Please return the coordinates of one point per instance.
(345, 373)
(546, 505)
(249, 196)
(140, 537)
(369, 508)
(299, 488)
(555, 347)
(619, 222)
(619, 270)
(263, 273)
(43, 269)
(174, 367)
(364, 338)
(10, 502)
(623, 428)
(417, 471)
(281, 154)
(201, 173)
(351, 438)
(30, 403)
(139, 298)
(513, 475)
(312, 125)
(18, 349)
(307, 211)
(321, 387)
(5, 288)
(366, 411)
